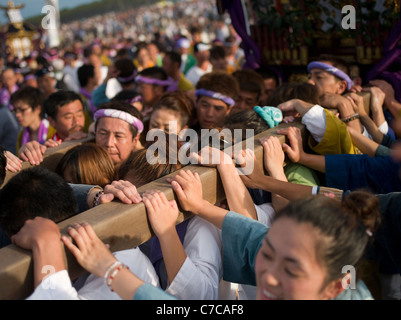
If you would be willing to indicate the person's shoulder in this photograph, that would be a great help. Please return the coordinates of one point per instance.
(191, 71)
(185, 84)
(7, 117)
(360, 292)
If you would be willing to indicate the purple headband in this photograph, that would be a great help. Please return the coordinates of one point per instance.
(118, 114)
(135, 99)
(127, 79)
(69, 55)
(333, 70)
(29, 77)
(159, 82)
(215, 95)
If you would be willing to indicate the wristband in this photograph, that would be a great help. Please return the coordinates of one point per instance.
(112, 271)
(96, 199)
(351, 118)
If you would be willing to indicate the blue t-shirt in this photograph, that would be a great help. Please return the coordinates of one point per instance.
(354, 171)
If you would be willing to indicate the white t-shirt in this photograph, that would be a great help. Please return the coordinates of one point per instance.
(58, 286)
(195, 73)
(198, 278)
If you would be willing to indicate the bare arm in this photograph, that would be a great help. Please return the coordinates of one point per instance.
(93, 255)
(42, 236)
(364, 144)
(256, 179)
(238, 197)
(273, 158)
(357, 103)
(390, 102)
(344, 107)
(376, 104)
(163, 216)
(296, 153)
(187, 186)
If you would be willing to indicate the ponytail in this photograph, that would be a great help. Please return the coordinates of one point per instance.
(365, 208)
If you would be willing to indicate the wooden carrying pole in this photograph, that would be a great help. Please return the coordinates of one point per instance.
(120, 225)
(51, 157)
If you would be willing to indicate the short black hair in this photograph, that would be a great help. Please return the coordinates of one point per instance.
(155, 73)
(33, 97)
(174, 56)
(217, 52)
(85, 72)
(58, 99)
(126, 69)
(35, 192)
(125, 95)
(268, 73)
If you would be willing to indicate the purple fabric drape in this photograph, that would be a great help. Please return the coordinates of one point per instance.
(251, 49)
(388, 68)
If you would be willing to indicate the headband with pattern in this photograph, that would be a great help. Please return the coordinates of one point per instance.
(118, 114)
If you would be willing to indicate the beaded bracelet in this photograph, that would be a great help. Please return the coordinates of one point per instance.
(351, 118)
(96, 199)
(112, 272)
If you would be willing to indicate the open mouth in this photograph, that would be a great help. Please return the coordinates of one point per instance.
(266, 295)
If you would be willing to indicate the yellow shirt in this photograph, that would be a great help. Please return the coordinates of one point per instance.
(336, 139)
(184, 84)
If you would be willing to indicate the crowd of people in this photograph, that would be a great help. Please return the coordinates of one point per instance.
(124, 86)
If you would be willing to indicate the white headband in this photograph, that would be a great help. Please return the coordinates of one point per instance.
(118, 114)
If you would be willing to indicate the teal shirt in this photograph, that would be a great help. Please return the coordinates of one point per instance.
(149, 292)
(242, 238)
(99, 95)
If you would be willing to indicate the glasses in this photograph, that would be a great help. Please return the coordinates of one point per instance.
(17, 110)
